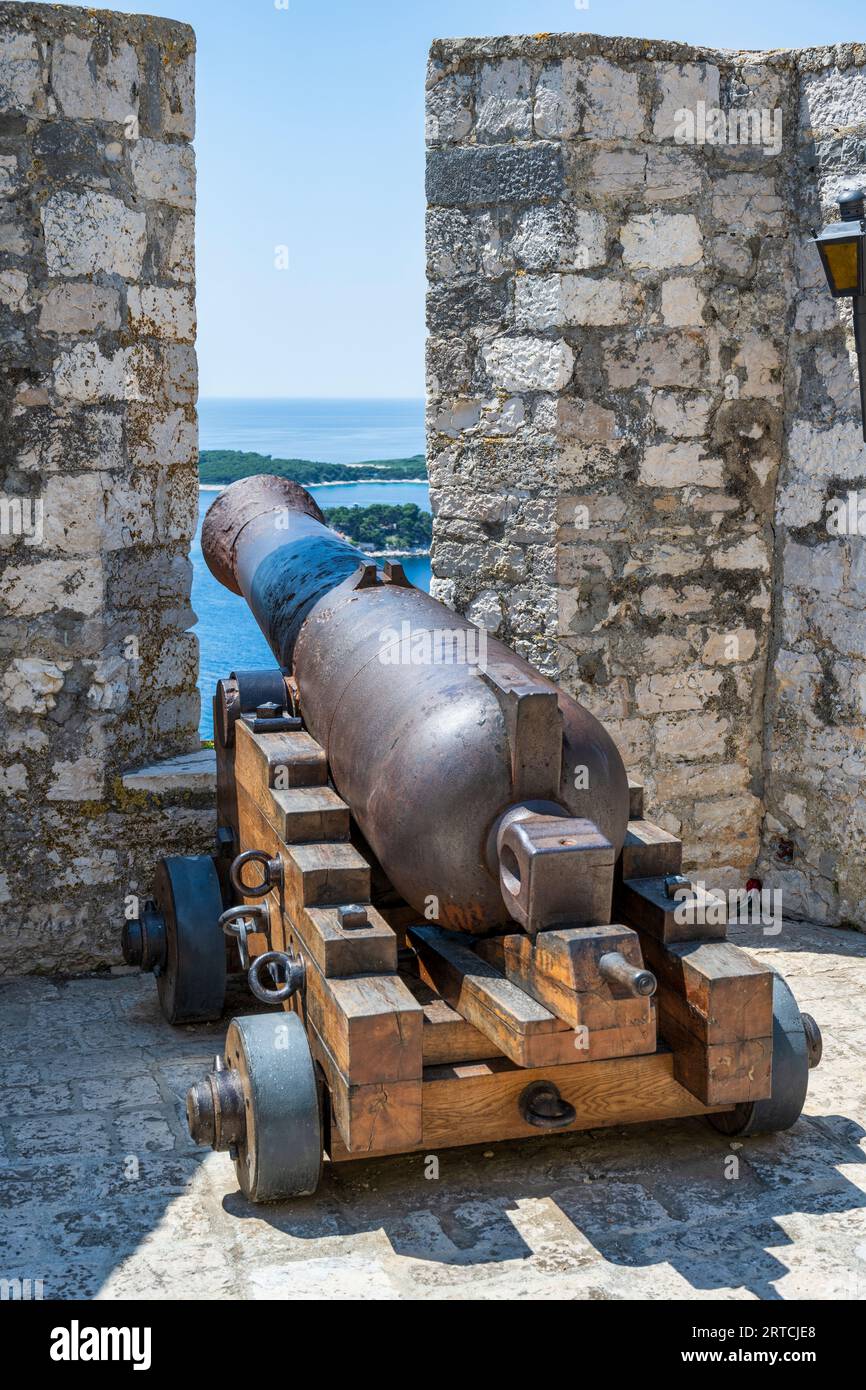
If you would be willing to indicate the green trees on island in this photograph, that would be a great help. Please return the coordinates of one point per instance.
(377, 527)
(228, 465)
(383, 527)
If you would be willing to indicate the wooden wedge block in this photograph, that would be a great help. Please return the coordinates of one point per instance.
(649, 850)
(520, 1027)
(644, 904)
(635, 800)
(446, 1036)
(560, 969)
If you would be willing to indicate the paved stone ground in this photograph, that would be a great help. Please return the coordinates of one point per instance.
(106, 1197)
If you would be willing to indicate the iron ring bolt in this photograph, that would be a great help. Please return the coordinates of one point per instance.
(234, 922)
(277, 964)
(272, 874)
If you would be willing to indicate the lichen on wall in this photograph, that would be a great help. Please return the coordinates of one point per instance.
(619, 284)
(98, 492)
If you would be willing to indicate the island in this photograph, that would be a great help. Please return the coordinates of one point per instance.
(223, 466)
(381, 528)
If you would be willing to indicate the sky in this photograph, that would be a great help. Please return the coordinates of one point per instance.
(311, 138)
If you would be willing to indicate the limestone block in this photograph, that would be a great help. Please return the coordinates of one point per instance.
(161, 439)
(833, 100)
(20, 72)
(75, 513)
(9, 175)
(681, 690)
(188, 772)
(53, 586)
(680, 87)
(590, 96)
(95, 81)
(680, 415)
(89, 231)
(30, 684)
(503, 105)
(181, 256)
(13, 779)
(178, 104)
(14, 291)
(79, 308)
(162, 313)
(164, 173)
(659, 241)
(680, 465)
(558, 237)
(749, 203)
(86, 375)
(692, 737)
(76, 779)
(725, 648)
(449, 109)
(682, 303)
(528, 364)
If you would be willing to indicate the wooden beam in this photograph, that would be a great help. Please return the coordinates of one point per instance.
(372, 1025)
(378, 1118)
(278, 761)
(644, 904)
(715, 1009)
(479, 1103)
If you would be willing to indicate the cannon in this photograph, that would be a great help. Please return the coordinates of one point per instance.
(439, 880)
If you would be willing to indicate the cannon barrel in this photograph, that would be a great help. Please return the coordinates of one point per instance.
(434, 731)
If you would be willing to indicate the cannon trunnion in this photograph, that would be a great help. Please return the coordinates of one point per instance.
(436, 875)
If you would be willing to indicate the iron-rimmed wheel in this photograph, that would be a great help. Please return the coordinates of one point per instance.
(796, 1047)
(192, 979)
(280, 1154)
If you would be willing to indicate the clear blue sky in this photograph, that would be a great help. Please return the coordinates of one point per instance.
(311, 135)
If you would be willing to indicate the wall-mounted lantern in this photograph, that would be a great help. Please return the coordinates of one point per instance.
(842, 247)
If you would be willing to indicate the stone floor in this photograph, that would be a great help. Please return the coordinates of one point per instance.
(106, 1197)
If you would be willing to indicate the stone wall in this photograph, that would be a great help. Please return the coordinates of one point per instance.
(99, 470)
(630, 358)
(816, 711)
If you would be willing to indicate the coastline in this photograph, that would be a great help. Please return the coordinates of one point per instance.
(346, 482)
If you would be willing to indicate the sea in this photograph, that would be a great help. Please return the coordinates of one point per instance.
(325, 431)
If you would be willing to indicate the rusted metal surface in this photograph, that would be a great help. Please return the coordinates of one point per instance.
(239, 503)
(429, 752)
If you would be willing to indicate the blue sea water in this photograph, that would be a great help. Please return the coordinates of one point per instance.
(337, 431)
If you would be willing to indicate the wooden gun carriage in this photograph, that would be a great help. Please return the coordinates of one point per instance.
(590, 985)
